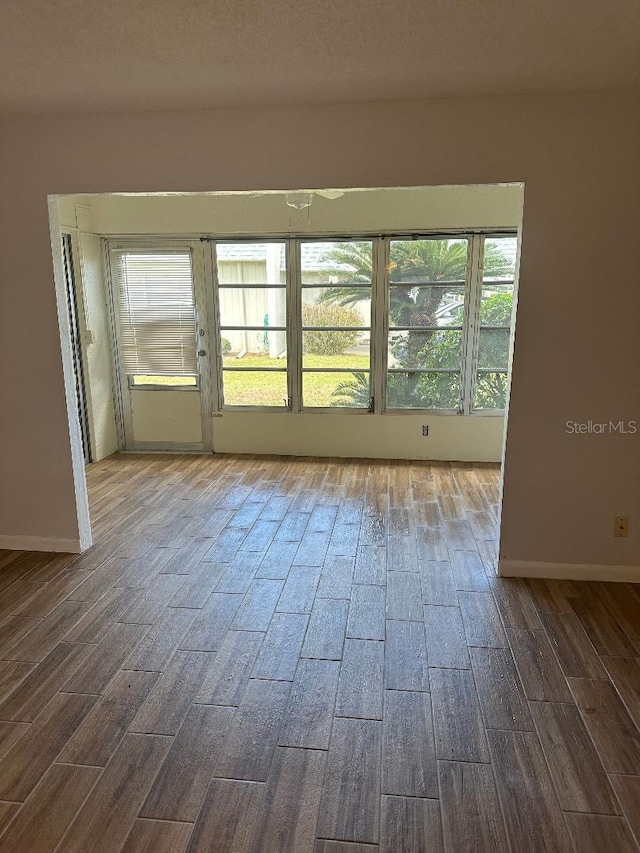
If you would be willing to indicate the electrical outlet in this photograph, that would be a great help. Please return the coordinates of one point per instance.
(621, 526)
(425, 429)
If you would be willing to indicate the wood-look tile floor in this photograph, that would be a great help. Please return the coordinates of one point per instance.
(266, 655)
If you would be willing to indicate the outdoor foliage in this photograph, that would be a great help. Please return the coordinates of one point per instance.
(491, 388)
(329, 314)
(491, 392)
(354, 391)
(268, 386)
(496, 310)
(441, 390)
(415, 266)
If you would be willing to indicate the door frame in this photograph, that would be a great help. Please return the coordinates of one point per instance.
(85, 539)
(122, 395)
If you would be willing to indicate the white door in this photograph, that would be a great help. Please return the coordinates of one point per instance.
(161, 345)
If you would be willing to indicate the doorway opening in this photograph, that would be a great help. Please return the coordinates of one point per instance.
(339, 323)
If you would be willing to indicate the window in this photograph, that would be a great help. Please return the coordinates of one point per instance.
(335, 285)
(496, 302)
(298, 326)
(361, 324)
(426, 312)
(156, 317)
(252, 296)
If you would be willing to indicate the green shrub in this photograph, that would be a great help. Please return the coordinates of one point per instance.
(329, 314)
(226, 346)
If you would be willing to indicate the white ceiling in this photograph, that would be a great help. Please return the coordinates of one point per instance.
(95, 55)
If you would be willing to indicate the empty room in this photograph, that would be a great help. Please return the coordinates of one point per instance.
(319, 466)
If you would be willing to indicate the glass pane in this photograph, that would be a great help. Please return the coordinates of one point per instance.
(495, 310)
(251, 263)
(254, 388)
(350, 390)
(441, 305)
(491, 391)
(262, 361)
(342, 261)
(423, 390)
(164, 380)
(253, 306)
(500, 258)
(243, 344)
(346, 349)
(339, 306)
(428, 260)
(496, 304)
(439, 349)
(493, 350)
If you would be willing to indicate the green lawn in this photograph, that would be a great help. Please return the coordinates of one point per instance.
(270, 389)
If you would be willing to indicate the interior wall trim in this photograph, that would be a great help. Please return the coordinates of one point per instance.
(568, 571)
(40, 543)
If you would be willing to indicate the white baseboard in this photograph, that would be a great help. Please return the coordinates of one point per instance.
(39, 543)
(568, 571)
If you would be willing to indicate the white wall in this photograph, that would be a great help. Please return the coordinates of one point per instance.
(373, 211)
(75, 212)
(573, 359)
(360, 435)
(67, 211)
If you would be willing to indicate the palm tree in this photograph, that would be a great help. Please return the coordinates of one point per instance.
(425, 276)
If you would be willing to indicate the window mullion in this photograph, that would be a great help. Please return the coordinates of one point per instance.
(122, 398)
(379, 323)
(294, 325)
(215, 362)
(472, 321)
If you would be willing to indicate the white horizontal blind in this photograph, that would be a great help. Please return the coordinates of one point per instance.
(156, 312)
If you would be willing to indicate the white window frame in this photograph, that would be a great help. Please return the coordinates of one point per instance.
(378, 372)
(386, 286)
(475, 298)
(299, 329)
(470, 325)
(217, 381)
(208, 319)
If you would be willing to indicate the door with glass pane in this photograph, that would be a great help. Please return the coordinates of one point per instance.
(161, 344)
